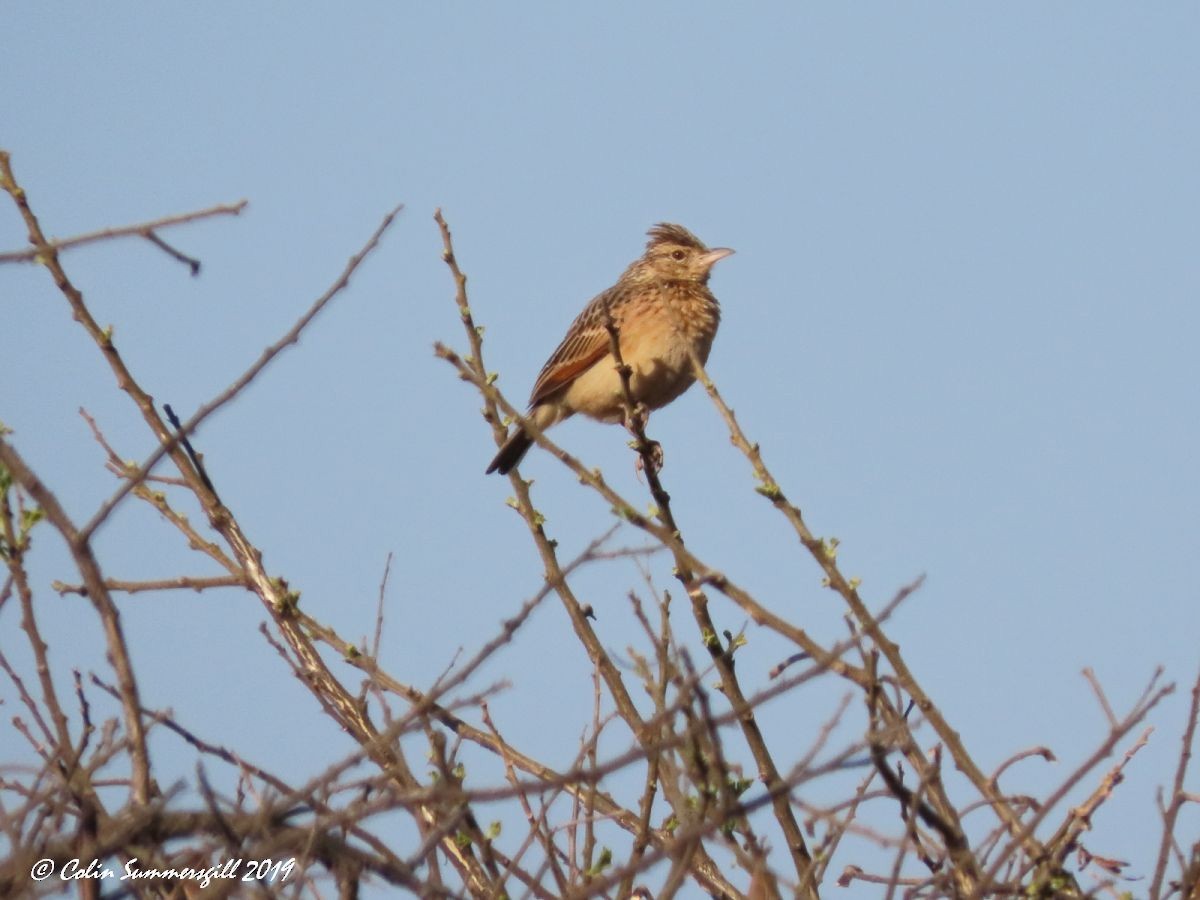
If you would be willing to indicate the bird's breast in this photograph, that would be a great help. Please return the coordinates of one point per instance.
(682, 317)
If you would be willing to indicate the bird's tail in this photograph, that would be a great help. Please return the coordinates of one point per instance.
(511, 453)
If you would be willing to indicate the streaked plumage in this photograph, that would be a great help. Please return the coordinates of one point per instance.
(661, 306)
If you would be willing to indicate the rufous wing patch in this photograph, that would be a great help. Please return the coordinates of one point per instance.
(569, 362)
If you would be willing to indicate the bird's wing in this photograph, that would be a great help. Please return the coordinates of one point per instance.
(585, 343)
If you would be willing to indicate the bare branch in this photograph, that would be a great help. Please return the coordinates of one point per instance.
(181, 582)
(144, 230)
(170, 442)
(118, 652)
(1178, 795)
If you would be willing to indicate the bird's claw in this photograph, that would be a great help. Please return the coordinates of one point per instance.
(654, 452)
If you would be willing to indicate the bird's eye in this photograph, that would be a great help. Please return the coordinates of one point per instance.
(678, 254)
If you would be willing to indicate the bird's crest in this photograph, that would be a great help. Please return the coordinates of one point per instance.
(665, 232)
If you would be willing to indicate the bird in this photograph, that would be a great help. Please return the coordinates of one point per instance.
(663, 311)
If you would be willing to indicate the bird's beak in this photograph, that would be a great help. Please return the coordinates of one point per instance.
(712, 257)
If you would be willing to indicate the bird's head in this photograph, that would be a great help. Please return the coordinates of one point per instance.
(675, 254)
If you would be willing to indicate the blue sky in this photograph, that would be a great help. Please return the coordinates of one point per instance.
(961, 322)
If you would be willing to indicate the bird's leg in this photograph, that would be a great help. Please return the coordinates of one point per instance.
(635, 418)
(635, 422)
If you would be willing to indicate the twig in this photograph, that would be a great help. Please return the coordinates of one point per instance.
(1080, 818)
(190, 261)
(181, 582)
(1171, 814)
(1044, 752)
(15, 545)
(722, 657)
(292, 336)
(144, 230)
(965, 872)
(118, 651)
(626, 511)
(190, 451)
(1100, 696)
(158, 500)
(1057, 846)
(387, 570)
(473, 370)
(824, 553)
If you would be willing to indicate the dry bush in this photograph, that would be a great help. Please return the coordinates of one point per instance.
(701, 801)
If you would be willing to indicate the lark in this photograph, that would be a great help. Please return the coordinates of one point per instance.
(663, 312)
